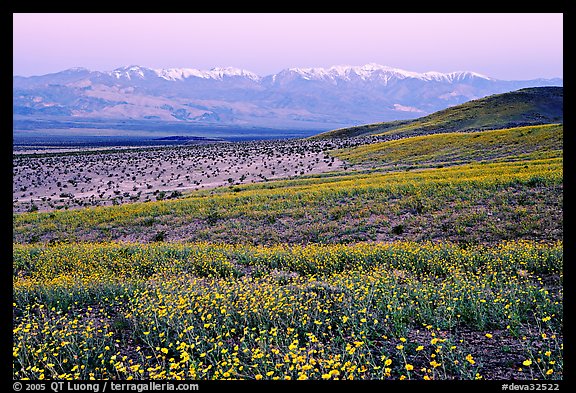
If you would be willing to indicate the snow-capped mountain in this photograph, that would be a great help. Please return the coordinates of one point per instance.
(374, 71)
(315, 98)
(174, 74)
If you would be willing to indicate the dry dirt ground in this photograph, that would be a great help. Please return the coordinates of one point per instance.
(49, 180)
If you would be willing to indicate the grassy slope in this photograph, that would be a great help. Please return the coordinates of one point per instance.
(453, 148)
(530, 106)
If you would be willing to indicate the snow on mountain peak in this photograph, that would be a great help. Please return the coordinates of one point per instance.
(174, 74)
(128, 72)
(308, 72)
(452, 76)
(373, 71)
(215, 73)
(366, 72)
(220, 72)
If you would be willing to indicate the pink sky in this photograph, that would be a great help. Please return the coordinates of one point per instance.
(503, 46)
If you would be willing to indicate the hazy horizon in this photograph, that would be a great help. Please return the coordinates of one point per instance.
(501, 46)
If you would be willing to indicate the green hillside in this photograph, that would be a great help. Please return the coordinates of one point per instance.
(543, 141)
(531, 106)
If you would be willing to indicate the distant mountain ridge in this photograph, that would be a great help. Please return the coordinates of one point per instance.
(524, 107)
(305, 98)
(369, 71)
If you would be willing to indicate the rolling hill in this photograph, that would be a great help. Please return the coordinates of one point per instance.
(509, 144)
(524, 107)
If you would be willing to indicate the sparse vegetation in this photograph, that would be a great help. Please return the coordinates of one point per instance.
(107, 177)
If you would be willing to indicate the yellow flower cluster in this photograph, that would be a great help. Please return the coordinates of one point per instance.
(207, 311)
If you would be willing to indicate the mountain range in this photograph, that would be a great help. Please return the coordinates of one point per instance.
(301, 98)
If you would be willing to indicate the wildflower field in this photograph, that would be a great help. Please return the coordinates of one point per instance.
(375, 272)
(364, 311)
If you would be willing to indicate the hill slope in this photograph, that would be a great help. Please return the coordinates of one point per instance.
(530, 106)
(510, 144)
